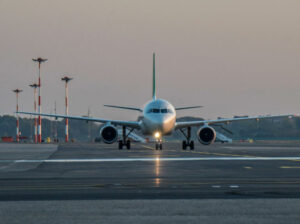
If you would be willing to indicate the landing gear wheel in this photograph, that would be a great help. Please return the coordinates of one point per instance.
(192, 145)
(128, 144)
(187, 143)
(160, 146)
(184, 145)
(120, 145)
(156, 146)
(124, 141)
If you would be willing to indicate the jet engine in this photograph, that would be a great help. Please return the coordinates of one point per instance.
(206, 135)
(109, 134)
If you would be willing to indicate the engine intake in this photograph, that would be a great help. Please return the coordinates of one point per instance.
(109, 134)
(206, 135)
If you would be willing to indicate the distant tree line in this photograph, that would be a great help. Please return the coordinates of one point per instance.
(271, 128)
(78, 130)
(277, 129)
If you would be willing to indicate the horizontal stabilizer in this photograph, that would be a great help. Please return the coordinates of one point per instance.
(126, 108)
(186, 108)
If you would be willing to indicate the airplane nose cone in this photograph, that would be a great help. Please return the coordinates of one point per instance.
(163, 124)
(160, 120)
(158, 124)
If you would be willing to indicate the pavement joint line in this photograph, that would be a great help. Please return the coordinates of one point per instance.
(153, 159)
(289, 167)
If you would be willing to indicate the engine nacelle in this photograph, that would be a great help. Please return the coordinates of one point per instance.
(206, 135)
(109, 134)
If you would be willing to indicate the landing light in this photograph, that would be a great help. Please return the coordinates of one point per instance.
(156, 134)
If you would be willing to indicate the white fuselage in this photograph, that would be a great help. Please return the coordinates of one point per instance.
(158, 116)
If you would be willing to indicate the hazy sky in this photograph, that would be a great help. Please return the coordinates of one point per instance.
(234, 57)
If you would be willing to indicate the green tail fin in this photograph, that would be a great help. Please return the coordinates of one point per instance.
(153, 81)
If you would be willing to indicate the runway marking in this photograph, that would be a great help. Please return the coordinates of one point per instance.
(260, 147)
(221, 154)
(152, 148)
(153, 159)
(290, 167)
(148, 147)
(7, 166)
(248, 167)
(152, 156)
(215, 185)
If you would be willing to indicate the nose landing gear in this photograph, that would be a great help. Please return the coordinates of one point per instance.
(158, 138)
(124, 141)
(188, 142)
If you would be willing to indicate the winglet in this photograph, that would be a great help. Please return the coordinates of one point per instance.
(153, 81)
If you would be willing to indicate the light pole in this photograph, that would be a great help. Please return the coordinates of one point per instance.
(66, 79)
(39, 60)
(35, 86)
(17, 91)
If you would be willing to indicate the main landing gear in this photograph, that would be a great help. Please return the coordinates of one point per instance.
(158, 145)
(124, 141)
(188, 142)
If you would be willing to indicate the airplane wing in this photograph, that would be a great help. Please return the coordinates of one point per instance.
(132, 124)
(126, 108)
(185, 124)
(186, 108)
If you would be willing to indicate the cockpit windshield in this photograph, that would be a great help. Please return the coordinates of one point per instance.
(156, 110)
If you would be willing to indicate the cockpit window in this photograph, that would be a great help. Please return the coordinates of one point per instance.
(155, 110)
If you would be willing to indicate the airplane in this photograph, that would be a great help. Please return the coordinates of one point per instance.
(158, 120)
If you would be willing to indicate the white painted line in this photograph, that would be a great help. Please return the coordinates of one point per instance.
(216, 186)
(234, 186)
(153, 159)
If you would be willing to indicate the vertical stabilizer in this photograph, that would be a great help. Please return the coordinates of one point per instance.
(153, 81)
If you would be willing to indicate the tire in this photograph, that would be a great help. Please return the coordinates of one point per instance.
(160, 146)
(120, 145)
(192, 145)
(184, 145)
(156, 146)
(128, 144)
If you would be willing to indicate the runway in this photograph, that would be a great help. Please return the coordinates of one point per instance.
(87, 183)
(99, 171)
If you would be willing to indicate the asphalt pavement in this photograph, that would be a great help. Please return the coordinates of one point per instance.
(233, 182)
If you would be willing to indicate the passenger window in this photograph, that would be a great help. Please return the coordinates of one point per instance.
(155, 110)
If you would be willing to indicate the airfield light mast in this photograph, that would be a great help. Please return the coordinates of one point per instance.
(17, 91)
(35, 86)
(39, 60)
(66, 79)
